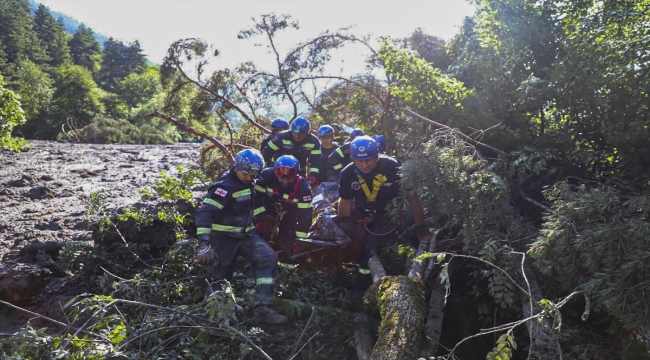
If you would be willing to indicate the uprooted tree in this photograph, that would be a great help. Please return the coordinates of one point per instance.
(527, 147)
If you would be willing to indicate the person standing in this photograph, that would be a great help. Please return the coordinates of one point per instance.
(225, 230)
(299, 143)
(368, 185)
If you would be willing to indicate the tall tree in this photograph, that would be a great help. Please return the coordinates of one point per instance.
(18, 37)
(431, 48)
(35, 91)
(85, 49)
(118, 61)
(11, 114)
(139, 88)
(77, 99)
(52, 35)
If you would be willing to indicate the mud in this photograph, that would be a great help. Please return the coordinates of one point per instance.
(43, 197)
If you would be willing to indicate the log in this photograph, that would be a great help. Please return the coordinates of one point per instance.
(435, 315)
(543, 343)
(363, 340)
(401, 305)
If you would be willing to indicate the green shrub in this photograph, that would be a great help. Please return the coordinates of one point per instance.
(110, 131)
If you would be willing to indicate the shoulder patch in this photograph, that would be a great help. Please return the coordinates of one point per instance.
(306, 198)
(221, 192)
(355, 186)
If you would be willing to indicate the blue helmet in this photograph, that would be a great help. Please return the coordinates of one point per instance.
(381, 142)
(280, 124)
(363, 148)
(286, 166)
(300, 126)
(325, 131)
(249, 161)
(356, 132)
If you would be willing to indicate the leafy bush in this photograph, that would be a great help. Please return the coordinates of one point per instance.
(11, 114)
(108, 131)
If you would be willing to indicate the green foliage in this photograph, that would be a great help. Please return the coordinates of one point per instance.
(85, 49)
(11, 115)
(119, 60)
(503, 350)
(53, 37)
(108, 131)
(77, 99)
(138, 88)
(74, 255)
(585, 243)
(175, 188)
(36, 90)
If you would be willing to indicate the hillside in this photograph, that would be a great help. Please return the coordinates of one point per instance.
(69, 23)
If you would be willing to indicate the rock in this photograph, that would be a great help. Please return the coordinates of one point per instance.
(24, 181)
(40, 192)
(22, 282)
(47, 177)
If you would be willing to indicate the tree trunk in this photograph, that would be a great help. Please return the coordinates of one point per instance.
(542, 341)
(401, 305)
(435, 315)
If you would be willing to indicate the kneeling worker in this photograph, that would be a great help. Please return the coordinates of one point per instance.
(225, 229)
(285, 201)
(368, 185)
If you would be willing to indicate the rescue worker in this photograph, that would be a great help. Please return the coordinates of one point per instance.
(225, 229)
(299, 143)
(339, 133)
(328, 146)
(341, 157)
(277, 125)
(284, 200)
(368, 185)
(381, 143)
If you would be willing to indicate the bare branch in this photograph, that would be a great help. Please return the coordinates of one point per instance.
(191, 130)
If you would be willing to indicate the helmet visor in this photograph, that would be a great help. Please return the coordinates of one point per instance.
(285, 171)
(253, 171)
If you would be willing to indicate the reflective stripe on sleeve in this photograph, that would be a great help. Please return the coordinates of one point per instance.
(260, 188)
(203, 231)
(337, 166)
(259, 210)
(273, 146)
(265, 281)
(213, 203)
(316, 152)
(302, 205)
(301, 234)
(240, 193)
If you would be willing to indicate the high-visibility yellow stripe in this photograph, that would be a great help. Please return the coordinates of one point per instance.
(304, 205)
(337, 166)
(314, 170)
(316, 152)
(301, 234)
(265, 281)
(203, 231)
(286, 142)
(240, 193)
(288, 266)
(273, 146)
(212, 202)
(260, 188)
(259, 210)
(228, 228)
(364, 271)
(340, 152)
(308, 146)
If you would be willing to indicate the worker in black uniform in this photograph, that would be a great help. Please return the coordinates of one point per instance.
(340, 158)
(225, 229)
(284, 202)
(368, 185)
(299, 143)
(277, 126)
(328, 146)
(339, 134)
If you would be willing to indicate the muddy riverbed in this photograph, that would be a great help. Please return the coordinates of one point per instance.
(43, 197)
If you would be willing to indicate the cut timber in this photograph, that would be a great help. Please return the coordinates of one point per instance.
(401, 305)
(435, 315)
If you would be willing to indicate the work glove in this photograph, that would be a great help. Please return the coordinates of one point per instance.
(313, 180)
(265, 227)
(206, 255)
(422, 232)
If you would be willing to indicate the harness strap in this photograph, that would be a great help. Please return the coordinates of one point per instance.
(292, 195)
(377, 182)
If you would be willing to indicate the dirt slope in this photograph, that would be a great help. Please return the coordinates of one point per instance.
(43, 195)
